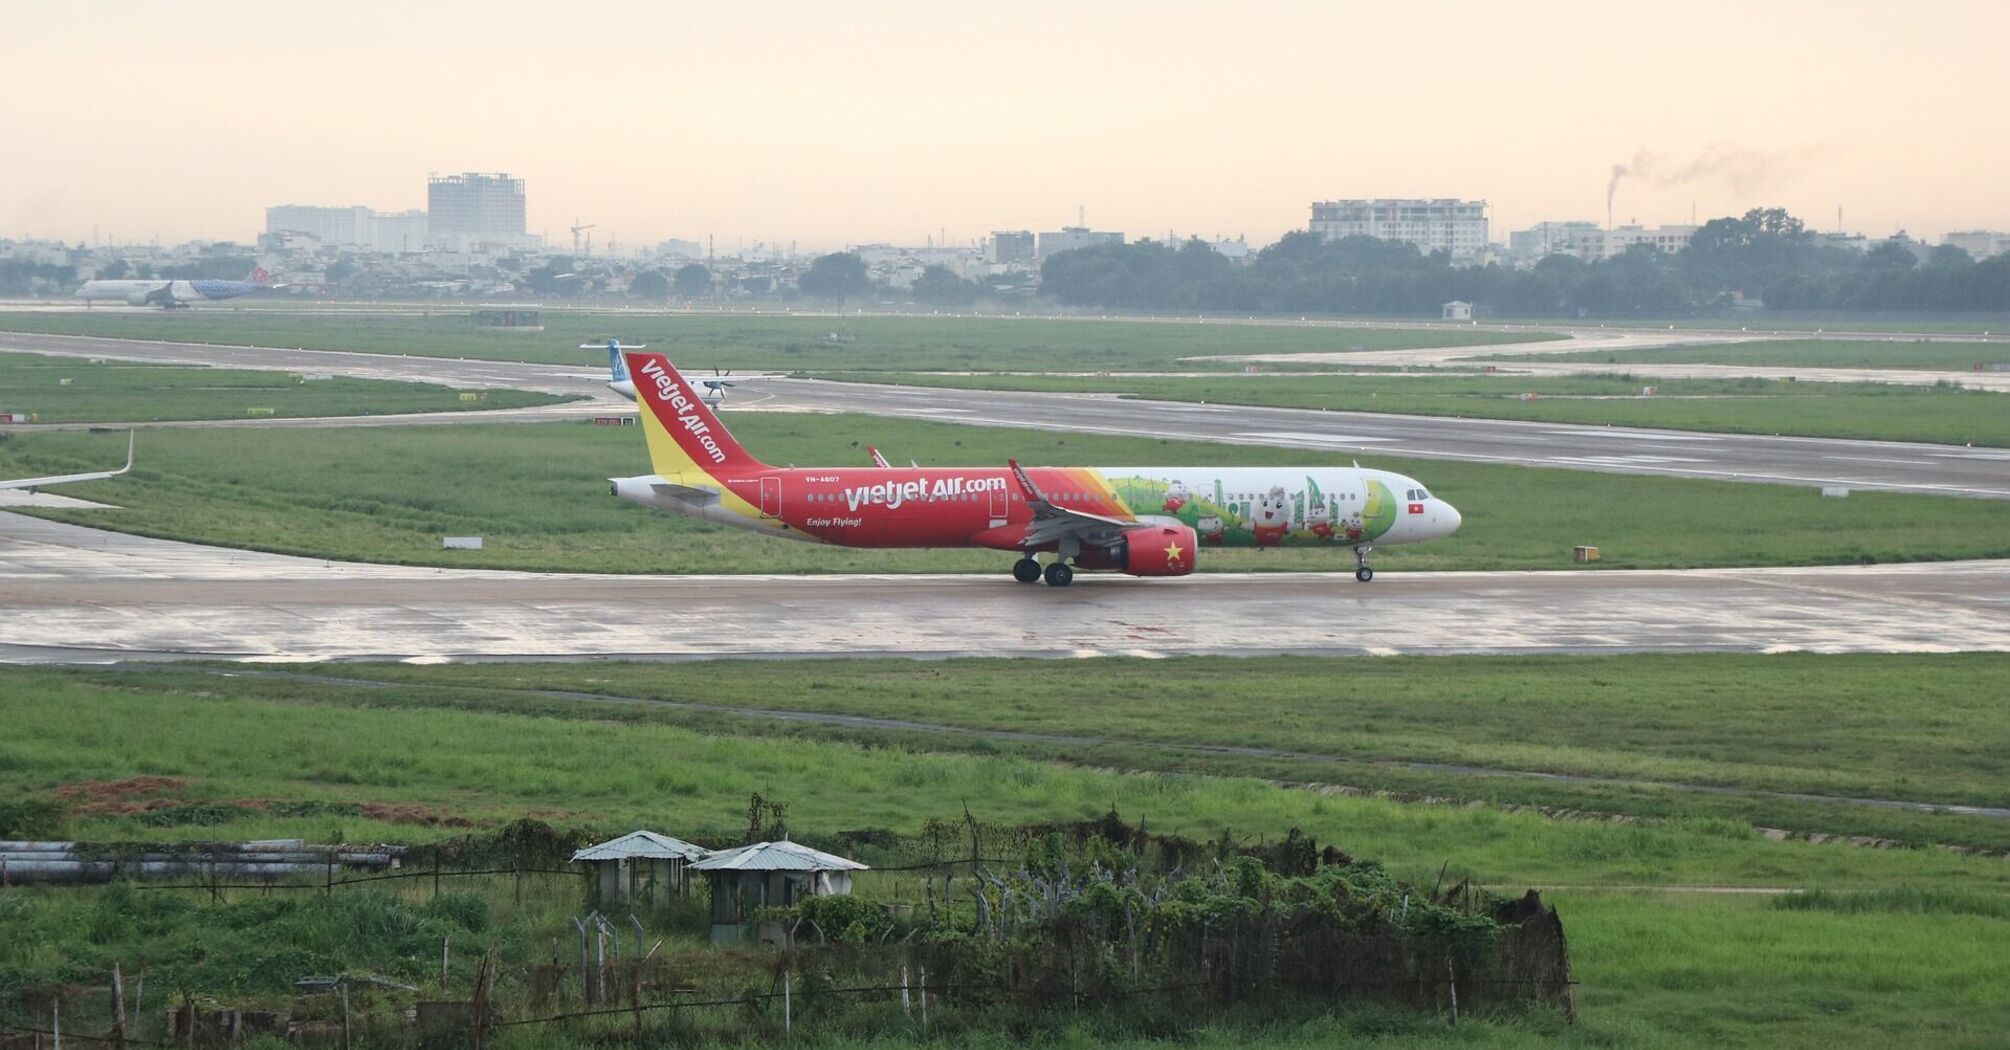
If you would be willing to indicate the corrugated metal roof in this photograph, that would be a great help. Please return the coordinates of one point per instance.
(776, 856)
(642, 844)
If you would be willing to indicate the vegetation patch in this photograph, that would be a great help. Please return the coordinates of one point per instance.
(81, 390)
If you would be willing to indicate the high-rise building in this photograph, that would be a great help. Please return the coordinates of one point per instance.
(1069, 238)
(474, 208)
(1432, 224)
(1011, 246)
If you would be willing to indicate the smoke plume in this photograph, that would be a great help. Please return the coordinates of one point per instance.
(1743, 169)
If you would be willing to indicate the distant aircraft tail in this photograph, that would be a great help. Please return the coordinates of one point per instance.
(614, 362)
(258, 275)
(683, 435)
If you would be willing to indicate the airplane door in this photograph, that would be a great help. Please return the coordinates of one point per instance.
(771, 497)
(998, 512)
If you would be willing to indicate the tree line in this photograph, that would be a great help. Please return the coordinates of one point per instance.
(1765, 255)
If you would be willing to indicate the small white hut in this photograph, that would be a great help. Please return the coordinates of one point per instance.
(640, 865)
(768, 875)
(1457, 310)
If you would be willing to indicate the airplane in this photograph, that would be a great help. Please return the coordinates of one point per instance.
(1144, 521)
(714, 386)
(64, 479)
(173, 294)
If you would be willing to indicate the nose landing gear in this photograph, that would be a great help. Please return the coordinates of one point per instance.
(1362, 572)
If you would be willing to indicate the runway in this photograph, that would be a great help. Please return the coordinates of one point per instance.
(1882, 465)
(77, 595)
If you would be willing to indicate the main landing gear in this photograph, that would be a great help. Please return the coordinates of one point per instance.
(1027, 570)
(1363, 572)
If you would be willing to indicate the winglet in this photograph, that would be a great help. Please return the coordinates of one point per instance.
(131, 439)
(1033, 494)
(877, 459)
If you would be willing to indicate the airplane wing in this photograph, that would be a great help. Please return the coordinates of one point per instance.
(877, 459)
(64, 479)
(688, 493)
(1051, 522)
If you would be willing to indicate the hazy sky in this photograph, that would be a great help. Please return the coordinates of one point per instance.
(834, 123)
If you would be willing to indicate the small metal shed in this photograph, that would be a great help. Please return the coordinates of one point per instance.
(639, 865)
(768, 875)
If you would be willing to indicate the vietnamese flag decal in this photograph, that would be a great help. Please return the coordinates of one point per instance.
(1416, 508)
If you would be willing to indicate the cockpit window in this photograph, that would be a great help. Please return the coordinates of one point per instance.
(1422, 495)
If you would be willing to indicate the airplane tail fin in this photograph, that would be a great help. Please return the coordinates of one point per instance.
(615, 364)
(258, 275)
(683, 434)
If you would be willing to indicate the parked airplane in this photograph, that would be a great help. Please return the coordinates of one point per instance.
(64, 479)
(713, 387)
(1145, 521)
(175, 294)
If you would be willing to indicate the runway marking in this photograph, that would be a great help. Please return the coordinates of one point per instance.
(1315, 439)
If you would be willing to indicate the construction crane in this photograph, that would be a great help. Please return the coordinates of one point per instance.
(576, 231)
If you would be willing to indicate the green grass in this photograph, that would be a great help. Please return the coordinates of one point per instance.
(1903, 947)
(74, 390)
(765, 341)
(1919, 728)
(1921, 354)
(1871, 411)
(538, 495)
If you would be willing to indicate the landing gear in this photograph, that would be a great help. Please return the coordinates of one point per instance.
(1026, 570)
(1059, 575)
(1362, 572)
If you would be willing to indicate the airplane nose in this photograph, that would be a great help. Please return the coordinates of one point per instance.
(1452, 519)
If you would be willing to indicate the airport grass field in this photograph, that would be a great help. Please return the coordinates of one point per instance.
(1870, 411)
(79, 390)
(1932, 356)
(538, 496)
(767, 341)
(1899, 946)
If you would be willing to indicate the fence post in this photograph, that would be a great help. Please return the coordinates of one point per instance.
(1452, 974)
(56, 1020)
(118, 1007)
(585, 974)
(139, 993)
(436, 873)
(924, 1001)
(343, 984)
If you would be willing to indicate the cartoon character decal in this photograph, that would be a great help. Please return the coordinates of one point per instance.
(1176, 497)
(1270, 517)
(1318, 516)
(1210, 528)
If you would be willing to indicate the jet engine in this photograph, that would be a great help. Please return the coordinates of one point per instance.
(1156, 550)
(140, 298)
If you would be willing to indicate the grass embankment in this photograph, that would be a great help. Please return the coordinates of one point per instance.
(768, 341)
(1659, 732)
(1921, 354)
(75, 390)
(537, 495)
(1911, 948)
(1870, 411)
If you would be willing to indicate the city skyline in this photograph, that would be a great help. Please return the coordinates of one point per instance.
(903, 122)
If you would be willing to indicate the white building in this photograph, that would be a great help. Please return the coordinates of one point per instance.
(1069, 238)
(1595, 244)
(1547, 238)
(1981, 244)
(1434, 224)
(403, 231)
(343, 227)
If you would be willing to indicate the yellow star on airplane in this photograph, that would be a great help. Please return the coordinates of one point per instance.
(1173, 553)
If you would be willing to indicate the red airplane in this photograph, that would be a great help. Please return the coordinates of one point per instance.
(1145, 521)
